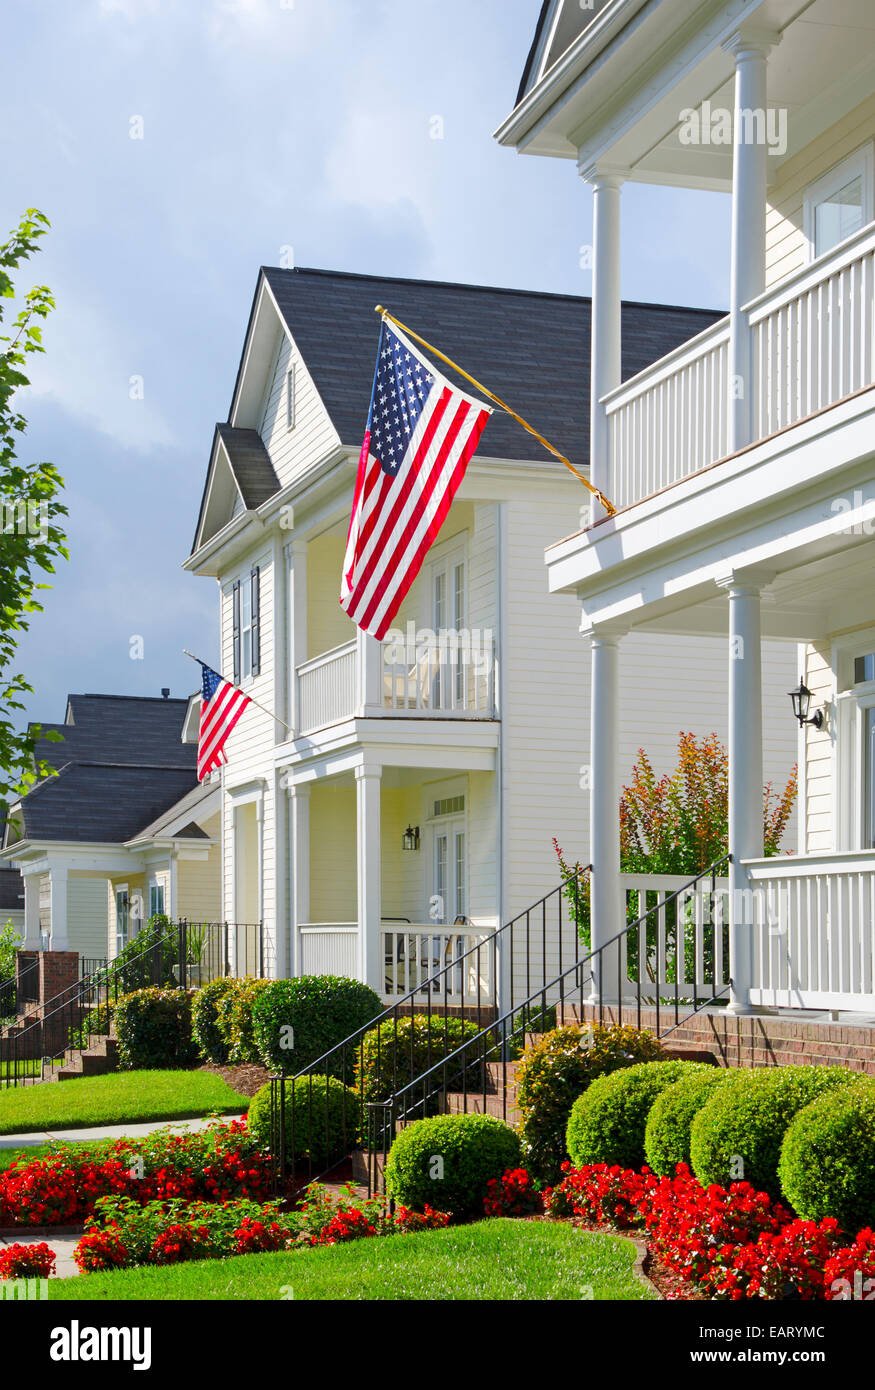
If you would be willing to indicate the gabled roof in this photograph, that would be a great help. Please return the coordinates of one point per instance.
(120, 729)
(195, 804)
(559, 24)
(98, 802)
(251, 469)
(532, 349)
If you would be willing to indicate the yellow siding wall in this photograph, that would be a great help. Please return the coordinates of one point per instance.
(327, 624)
(785, 239)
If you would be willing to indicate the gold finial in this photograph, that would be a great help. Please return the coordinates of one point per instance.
(378, 309)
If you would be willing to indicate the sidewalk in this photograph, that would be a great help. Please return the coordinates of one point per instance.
(82, 1136)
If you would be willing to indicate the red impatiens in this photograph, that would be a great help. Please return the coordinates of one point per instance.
(514, 1194)
(27, 1261)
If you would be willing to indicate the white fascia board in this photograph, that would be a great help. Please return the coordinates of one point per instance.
(40, 856)
(761, 507)
(411, 742)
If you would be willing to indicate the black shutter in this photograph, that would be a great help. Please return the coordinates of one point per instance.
(235, 609)
(255, 582)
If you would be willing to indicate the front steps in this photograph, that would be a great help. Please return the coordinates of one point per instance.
(98, 1059)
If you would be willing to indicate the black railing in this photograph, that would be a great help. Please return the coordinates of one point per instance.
(21, 989)
(671, 949)
(169, 954)
(502, 968)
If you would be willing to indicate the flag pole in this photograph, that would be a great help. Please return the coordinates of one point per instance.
(608, 506)
(258, 705)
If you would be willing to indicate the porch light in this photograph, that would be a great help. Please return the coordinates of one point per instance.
(410, 838)
(801, 700)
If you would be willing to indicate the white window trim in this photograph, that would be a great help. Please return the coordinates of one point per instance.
(850, 701)
(861, 162)
(291, 401)
(117, 889)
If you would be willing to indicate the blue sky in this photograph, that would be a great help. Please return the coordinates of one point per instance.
(266, 124)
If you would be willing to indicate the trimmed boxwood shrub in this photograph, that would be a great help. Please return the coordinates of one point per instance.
(318, 1012)
(393, 1054)
(738, 1133)
(322, 1119)
(608, 1121)
(234, 1019)
(153, 1027)
(827, 1163)
(670, 1122)
(555, 1070)
(447, 1162)
(212, 1046)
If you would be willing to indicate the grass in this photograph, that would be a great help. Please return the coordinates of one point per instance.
(494, 1260)
(117, 1099)
(8, 1156)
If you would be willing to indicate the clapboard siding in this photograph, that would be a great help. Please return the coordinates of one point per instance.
(786, 247)
(313, 436)
(87, 919)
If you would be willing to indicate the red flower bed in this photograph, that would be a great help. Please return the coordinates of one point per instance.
(728, 1243)
(514, 1194)
(27, 1261)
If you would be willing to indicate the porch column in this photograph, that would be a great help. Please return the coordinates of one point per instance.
(296, 554)
(370, 671)
(605, 372)
(31, 912)
(606, 910)
(750, 49)
(299, 870)
(745, 777)
(58, 888)
(369, 862)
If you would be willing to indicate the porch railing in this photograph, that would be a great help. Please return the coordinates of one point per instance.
(328, 948)
(414, 954)
(327, 688)
(814, 931)
(812, 344)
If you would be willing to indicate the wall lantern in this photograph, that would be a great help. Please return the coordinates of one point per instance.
(801, 700)
(410, 838)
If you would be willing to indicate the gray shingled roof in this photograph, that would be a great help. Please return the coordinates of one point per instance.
(530, 348)
(120, 729)
(250, 464)
(102, 802)
(189, 804)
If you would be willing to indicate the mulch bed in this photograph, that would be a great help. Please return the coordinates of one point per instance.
(246, 1079)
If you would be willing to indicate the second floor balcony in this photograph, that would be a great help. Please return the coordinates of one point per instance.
(442, 675)
(811, 344)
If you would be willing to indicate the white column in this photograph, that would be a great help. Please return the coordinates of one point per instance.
(370, 672)
(605, 373)
(749, 183)
(745, 777)
(369, 861)
(58, 878)
(31, 912)
(299, 868)
(297, 610)
(607, 916)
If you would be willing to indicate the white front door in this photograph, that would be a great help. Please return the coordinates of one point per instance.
(450, 871)
(448, 616)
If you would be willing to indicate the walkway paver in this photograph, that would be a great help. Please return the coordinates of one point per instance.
(82, 1136)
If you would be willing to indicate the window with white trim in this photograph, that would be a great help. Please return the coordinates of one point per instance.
(840, 203)
(122, 918)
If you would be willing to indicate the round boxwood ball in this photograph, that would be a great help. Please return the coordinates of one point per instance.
(447, 1162)
(670, 1122)
(295, 1022)
(322, 1119)
(738, 1134)
(828, 1158)
(607, 1122)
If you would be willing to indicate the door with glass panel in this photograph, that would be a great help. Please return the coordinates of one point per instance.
(450, 899)
(448, 618)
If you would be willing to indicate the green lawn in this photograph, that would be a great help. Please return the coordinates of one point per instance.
(493, 1260)
(114, 1099)
(8, 1156)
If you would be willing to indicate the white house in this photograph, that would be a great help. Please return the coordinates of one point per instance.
(742, 462)
(401, 787)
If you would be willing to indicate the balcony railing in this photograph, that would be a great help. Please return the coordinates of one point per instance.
(812, 344)
(450, 677)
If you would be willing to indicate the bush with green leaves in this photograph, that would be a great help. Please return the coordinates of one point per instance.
(447, 1162)
(558, 1068)
(153, 1027)
(205, 1020)
(149, 957)
(607, 1123)
(322, 1119)
(738, 1134)
(296, 1021)
(234, 1020)
(827, 1163)
(670, 1122)
(10, 942)
(399, 1050)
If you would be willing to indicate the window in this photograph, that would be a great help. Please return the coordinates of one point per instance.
(246, 613)
(156, 899)
(840, 203)
(290, 398)
(122, 919)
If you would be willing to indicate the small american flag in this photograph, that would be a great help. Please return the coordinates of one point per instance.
(421, 433)
(221, 707)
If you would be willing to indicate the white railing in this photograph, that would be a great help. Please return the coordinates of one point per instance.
(701, 967)
(813, 336)
(814, 932)
(812, 344)
(453, 675)
(327, 688)
(413, 954)
(328, 948)
(671, 419)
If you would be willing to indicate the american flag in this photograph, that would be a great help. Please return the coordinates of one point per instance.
(421, 433)
(221, 707)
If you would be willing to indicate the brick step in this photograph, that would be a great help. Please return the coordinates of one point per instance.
(97, 1060)
(458, 1104)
